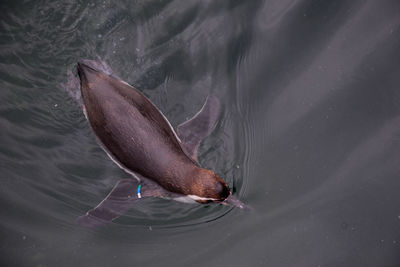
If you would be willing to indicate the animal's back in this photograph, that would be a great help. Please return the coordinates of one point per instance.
(132, 129)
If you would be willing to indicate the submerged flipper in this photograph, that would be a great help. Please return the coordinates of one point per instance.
(118, 201)
(195, 130)
(121, 198)
(73, 85)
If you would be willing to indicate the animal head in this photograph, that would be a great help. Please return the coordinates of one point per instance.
(209, 187)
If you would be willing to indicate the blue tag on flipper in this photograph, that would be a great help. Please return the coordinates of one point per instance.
(139, 195)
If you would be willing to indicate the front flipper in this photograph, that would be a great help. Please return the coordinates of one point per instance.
(195, 130)
(121, 198)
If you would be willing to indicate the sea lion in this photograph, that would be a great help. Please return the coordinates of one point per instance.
(140, 140)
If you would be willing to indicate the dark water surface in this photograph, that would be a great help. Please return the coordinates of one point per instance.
(309, 136)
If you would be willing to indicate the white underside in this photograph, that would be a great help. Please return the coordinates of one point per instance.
(191, 199)
(194, 197)
(185, 199)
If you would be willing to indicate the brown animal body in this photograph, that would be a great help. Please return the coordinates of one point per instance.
(138, 137)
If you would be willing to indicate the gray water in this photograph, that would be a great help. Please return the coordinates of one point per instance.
(309, 137)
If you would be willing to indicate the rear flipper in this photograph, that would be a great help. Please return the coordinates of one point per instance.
(73, 84)
(72, 87)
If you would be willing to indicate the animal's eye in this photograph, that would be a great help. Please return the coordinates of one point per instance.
(223, 190)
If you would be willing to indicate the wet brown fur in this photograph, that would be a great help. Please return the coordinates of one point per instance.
(138, 136)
